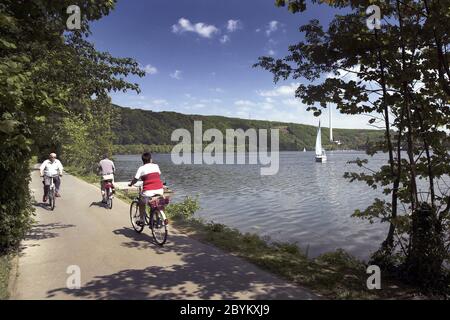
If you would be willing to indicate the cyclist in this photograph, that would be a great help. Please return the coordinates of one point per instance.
(106, 170)
(51, 167)
(150, 174)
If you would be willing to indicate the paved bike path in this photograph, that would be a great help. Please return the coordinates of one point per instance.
(117, 263)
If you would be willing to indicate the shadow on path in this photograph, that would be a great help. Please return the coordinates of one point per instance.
(41, 232)
(98, 204)
(43, 205)
(203, 273)
(141, 240)
(46, 231)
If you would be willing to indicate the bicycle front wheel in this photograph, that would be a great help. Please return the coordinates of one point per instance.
(51, 199)
(158, 226)
(135, 216)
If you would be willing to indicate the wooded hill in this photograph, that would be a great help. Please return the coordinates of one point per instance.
(139, 127)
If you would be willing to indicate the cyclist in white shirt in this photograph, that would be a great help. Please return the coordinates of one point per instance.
(106, 170)
(51, 168)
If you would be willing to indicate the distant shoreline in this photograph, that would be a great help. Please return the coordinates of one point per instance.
(165, 149)
(286, 151)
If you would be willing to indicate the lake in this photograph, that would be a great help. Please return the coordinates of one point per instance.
(308, 203)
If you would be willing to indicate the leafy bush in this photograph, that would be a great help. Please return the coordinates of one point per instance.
(183, 210)
(5, 267)
(15, 200)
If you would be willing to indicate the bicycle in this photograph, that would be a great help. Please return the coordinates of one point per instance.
(108, 193)
(51, 193)
(154, 217)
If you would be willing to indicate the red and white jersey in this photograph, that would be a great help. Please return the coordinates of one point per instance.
(150, 174)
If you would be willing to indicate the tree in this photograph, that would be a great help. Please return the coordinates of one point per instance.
(46, 73)
(399, 74)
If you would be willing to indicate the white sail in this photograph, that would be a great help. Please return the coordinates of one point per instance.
(319, 142)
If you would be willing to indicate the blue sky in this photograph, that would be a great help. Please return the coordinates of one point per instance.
(198, 55)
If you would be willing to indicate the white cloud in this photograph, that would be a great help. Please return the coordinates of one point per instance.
(233, 25)
(176, 74)
(247, 105)
(211, 100)
(218, 90)
(292, 102)
(258, 30)
(160, 102)
(272, 27)
(244, 103)
(149, 69)
(280, 91)
(270, 47)
(224, 39)
(202, 29)
(266, 106)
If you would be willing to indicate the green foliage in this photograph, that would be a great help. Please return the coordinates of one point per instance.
(293, 5)
(140, 130)
(426, 269)
(48, 74)
(5, 267)
(15, 200)
(77, 143)
(140, 148)
(183, 210)
(78, 149)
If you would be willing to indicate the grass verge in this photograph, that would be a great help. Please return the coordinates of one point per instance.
(90, 178)
(334, 275)
(5, 268)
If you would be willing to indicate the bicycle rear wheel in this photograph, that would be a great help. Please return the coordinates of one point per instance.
(158, 226)
(109, 200)
(135, 216)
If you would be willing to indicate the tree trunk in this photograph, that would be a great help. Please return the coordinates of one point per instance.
(389, 242)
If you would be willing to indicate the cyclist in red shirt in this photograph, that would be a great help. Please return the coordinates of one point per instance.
(150, 174)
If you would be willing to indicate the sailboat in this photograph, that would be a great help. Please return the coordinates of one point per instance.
(304, 149)
(320, 152)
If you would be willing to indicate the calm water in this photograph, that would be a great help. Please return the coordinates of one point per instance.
(306, 202)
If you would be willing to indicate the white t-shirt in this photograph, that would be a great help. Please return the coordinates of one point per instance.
(107, 166)
(49, 168)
